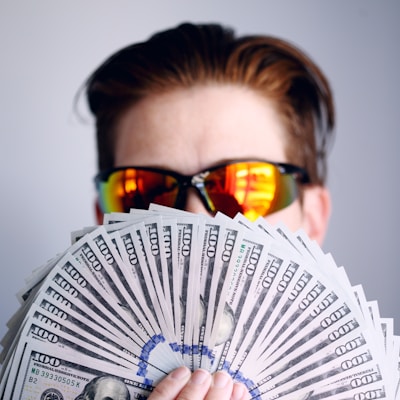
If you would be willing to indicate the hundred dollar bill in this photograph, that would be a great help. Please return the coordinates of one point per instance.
(383, 339)
(100, 344)
(329, 363)
(70, 281)
(111, 272)
(150, 236)
(267, 304)
(71, 278)
(98, 254)
(141, 235)
(46, 373)
(325, 263)
(83, 310)
(5, 369)
(62, 307)
(169, 242)
(156, 289)
(344, 367)
(338, 360)
(51, 299)
(137, 327)
(37, 276)
(396, 371)
(287, 297)
(137, 277)
(40, 327)
(190, 236)
(252, 254)
(190, 233)
(134, 246)
(378, 391)
(324, 325)
(57, 315)
(185, 229)
(156, 248)
(390, 356)
(361, 383)
(285, 300)
(76, 331)
(13, 326)
(252, 322)
(207, 239)
(171, 235)
(162, 232)
(5, 378)
(40, 333)
(25, 297)
(307, 324)
(166, 259)
(313, 387)
(221, 245)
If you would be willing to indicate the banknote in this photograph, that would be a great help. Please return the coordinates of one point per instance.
(132, 299)
(45, 373)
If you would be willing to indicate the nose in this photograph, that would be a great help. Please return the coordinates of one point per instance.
(194, 203)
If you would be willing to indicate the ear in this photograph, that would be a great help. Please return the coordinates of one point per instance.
(316, 212)
(99, 213)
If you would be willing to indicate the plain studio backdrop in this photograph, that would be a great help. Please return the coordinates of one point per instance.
(48, 161)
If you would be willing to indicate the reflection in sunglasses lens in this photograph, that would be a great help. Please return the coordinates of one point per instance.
(252, 188)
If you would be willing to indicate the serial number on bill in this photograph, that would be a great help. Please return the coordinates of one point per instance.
(36, 373)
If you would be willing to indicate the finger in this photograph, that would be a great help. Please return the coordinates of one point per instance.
(170, 386)
(221, 387)
(240, 392)
(197, 386)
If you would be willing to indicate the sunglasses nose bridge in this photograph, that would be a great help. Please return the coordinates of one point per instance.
(187, 182)
(197, 182)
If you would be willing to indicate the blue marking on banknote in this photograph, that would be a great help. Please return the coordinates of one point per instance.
(148, 382)
(226, 366)
(159, 338)
(141, 372)
(175, 347)
(186, 349)
(251, 386)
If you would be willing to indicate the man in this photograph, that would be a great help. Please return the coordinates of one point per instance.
(198, 119)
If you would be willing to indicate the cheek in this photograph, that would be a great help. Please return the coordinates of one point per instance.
(291, 216)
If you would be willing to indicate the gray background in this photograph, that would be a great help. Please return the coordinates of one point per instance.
(47, 156)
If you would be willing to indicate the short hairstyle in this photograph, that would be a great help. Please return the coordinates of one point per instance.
(190, 55)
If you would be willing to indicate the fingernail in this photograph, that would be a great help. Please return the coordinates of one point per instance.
(180, 373)
(239, 392)
(221, 379)
(199, 376)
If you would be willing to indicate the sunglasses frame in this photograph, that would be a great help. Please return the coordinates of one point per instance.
(197, 180)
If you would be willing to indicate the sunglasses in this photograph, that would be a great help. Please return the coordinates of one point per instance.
(253, 188)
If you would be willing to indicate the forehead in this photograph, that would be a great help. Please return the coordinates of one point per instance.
(190, 129)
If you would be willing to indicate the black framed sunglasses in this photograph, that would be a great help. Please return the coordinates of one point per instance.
(253, 188)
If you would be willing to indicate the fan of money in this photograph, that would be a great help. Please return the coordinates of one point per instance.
(149, 291)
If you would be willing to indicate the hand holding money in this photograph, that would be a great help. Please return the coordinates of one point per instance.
(181, 384)
(164, 303)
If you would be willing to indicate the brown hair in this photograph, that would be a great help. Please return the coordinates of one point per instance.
(190, 55)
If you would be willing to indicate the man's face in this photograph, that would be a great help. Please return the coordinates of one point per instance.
(189, 130)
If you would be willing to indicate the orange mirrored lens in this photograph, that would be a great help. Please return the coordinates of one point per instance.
(252, 188)
(132, 188)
